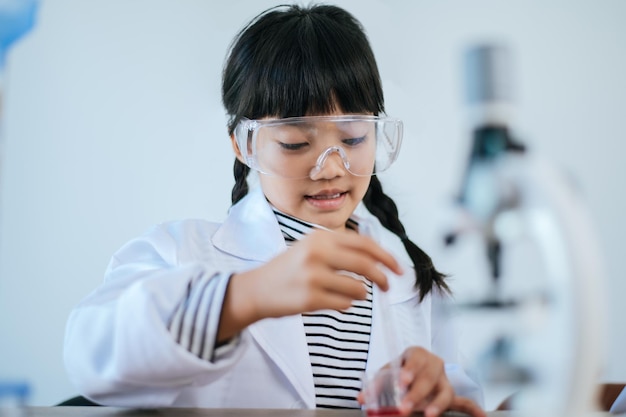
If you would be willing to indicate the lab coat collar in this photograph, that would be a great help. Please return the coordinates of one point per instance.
(253, 218)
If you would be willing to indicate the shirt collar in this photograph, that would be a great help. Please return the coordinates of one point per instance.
(294, 229)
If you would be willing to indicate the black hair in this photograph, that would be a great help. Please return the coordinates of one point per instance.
(293, 61)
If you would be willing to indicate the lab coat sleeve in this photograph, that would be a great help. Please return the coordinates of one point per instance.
(445, 344)
(149, 330)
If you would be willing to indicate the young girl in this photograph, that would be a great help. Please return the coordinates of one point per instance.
(284, 304)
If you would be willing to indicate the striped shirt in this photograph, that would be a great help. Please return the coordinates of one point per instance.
(338, 341)
(195, 319)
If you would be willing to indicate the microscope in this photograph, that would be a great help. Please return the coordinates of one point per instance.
(546, 329)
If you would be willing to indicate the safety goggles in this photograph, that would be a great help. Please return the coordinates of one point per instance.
(299, 147)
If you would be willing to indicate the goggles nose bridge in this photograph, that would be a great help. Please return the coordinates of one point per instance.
(319, 164)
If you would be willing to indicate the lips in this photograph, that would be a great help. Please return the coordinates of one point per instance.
(327, 195)
(327, 200)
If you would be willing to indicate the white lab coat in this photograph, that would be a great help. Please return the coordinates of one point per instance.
(118, 350)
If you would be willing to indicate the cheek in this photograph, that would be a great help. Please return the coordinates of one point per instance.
(282, 194)
(361, 187)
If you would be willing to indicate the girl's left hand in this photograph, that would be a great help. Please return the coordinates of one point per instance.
(427, 387)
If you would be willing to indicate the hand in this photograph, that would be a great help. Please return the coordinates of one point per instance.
(306, 277)
(427, 387)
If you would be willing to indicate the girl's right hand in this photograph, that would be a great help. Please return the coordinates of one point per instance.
(305, 278)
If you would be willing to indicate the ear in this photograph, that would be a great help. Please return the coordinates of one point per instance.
(236, 149)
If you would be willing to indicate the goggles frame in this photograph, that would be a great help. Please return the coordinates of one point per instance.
(245, 134)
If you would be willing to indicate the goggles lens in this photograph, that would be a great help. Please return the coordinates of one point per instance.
(292, 147)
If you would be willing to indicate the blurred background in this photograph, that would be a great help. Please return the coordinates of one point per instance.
(112, 122)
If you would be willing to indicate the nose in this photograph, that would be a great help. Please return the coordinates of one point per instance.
(336, 167)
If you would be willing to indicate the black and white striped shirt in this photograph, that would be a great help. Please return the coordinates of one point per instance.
(338, 341)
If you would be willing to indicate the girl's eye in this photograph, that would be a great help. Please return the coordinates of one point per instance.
(354, 141)
(292, 146)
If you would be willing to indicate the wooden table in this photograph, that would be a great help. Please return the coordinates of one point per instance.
(189, 412)
(209, 412)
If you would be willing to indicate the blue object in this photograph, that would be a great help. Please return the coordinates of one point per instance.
(16, 18)
(15, 393)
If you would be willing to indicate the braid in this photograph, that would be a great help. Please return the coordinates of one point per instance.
(384, 208)
(240, 189)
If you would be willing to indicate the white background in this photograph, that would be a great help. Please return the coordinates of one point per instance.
(113, 122)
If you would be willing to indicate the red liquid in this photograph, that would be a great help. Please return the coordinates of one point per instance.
(384, 412)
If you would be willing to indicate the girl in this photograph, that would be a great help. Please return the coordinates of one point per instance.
(284, 304)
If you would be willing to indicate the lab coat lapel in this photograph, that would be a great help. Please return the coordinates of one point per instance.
(282, 339)
(380, 351)
(395, 320)
(392, 311)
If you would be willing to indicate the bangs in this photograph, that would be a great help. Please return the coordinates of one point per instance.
(301, 62)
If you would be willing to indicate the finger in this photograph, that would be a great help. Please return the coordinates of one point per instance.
(420, 390)
(332, 302)
(368, 247)
(348, 252)
(441, 402)
(360, 398)
(344, 285)
(359, 264)
(428, 372)
(467, 406)
(373, 250)
(324, 300)
(417, 359)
